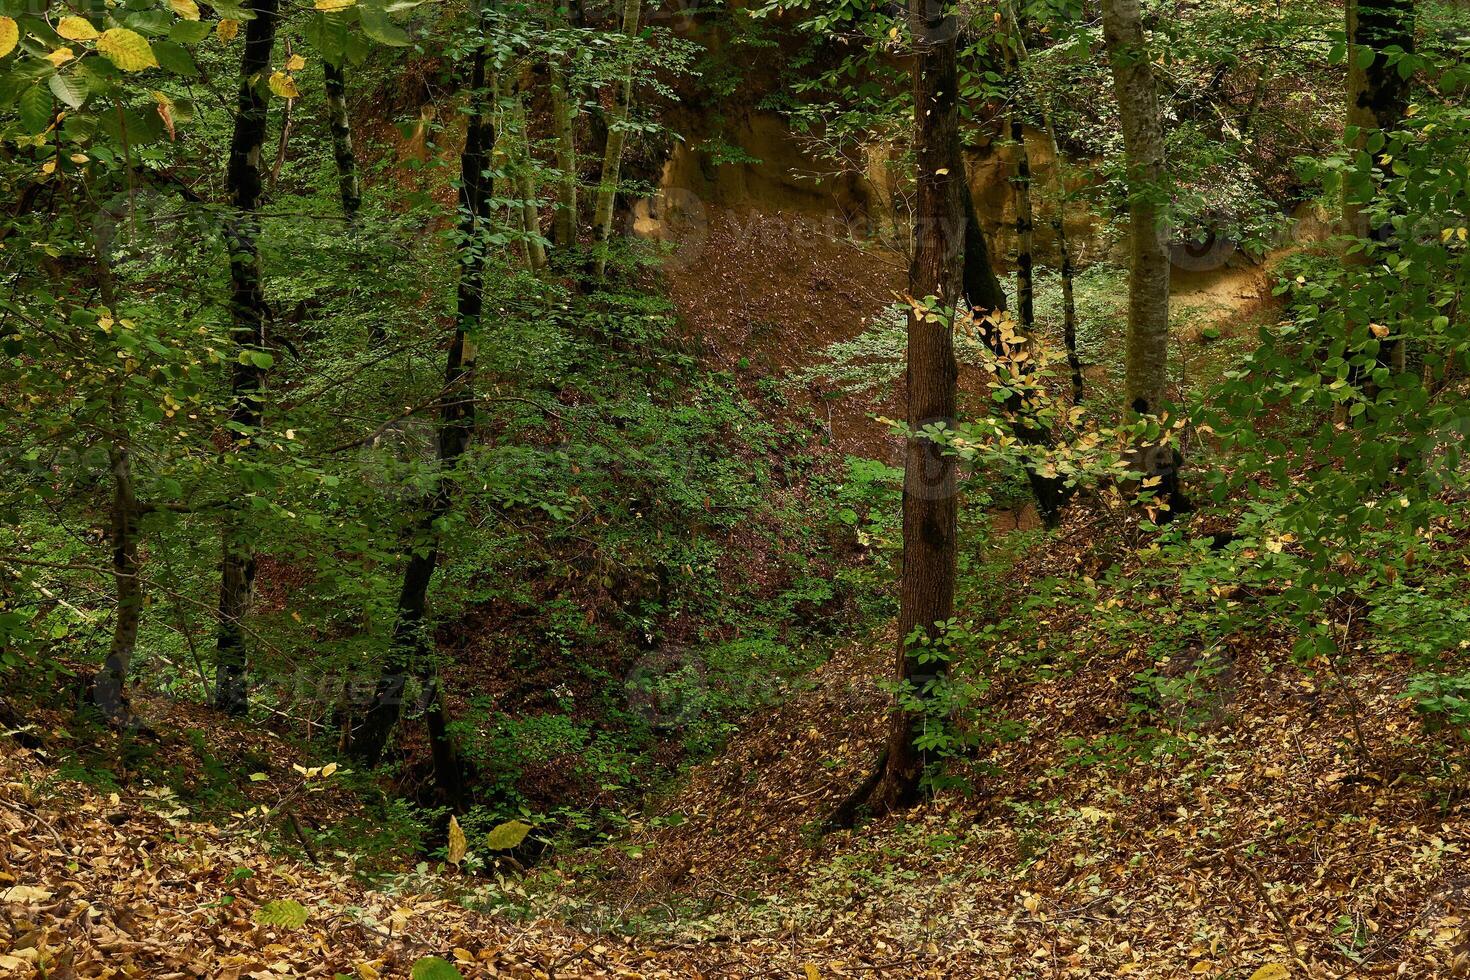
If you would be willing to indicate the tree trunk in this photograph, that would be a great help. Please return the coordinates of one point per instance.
(525, 179)
(1025, 231)
(930, 495)
(563, 119)
(1068, 273)
(411, 645)
(1377, 97)
(109, 685)
(1143, 144)
(249, 313)
(341, 127)
(982, 289)
(612, 157)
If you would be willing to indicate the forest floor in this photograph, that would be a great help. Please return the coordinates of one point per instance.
(1277, 821)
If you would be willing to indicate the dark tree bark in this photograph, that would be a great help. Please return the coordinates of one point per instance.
(411, 646)
(109, 685)
(930, 495)
(1025, 231)
(341, 125)
(1377, 98)
(982, 287)
(249, 314)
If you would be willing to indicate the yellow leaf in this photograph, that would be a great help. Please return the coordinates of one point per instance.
(330, 767)
(1379, 330)
(226, 30)
(187, 9)
(1272, 971)
(331, 6)
(283, 85)
(76, 29)
(9, 35)
(25, 895)
(127, 49)
(366, 971)
(812, 973)
(457, 843)
(60, 56)
(507, 835)
(295, 63)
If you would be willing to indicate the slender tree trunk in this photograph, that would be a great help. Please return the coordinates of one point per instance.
(930, 495)
(1025, 231)
(341, 126)
(109, 685)
(411, 645)
(564, 127)
(612, 157)
(1377, 97)
(1143, 142)
(1069, 297)
(249, 314)
(525, 179)
(1059, 228)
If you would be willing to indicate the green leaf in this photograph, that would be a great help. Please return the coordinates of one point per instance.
(69, 89)
(286, 912)
(507, 835)
(190, 31)
(35, 109)
(435, 968)
(175, 58)
(377, 25)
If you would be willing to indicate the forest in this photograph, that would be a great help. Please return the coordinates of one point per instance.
(707, 489)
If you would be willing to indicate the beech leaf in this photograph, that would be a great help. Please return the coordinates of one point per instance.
(126, 49)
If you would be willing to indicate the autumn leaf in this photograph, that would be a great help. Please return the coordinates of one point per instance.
(76, 29)
(295, 63)
(1272, 971)
(126, 49)
(283, 85)
(331, 6)
(226, 30)
(9, 35)
(25, 895)
(507, 835)
(457, 843)
(187, 9)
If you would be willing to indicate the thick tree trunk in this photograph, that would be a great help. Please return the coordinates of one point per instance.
(340, 123)
(249, 313)
(983, 291)
(930, 495)
(612, 157)
(563, 120)
(1143, 142)
(411, 645)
